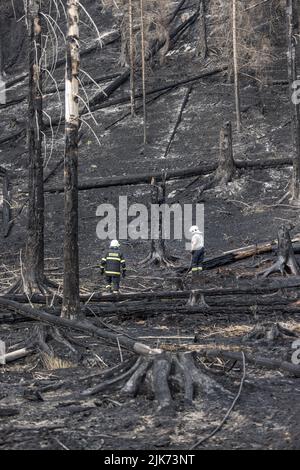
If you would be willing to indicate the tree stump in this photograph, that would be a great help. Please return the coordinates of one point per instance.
(158, 253)
(226, 166)
(286, 260)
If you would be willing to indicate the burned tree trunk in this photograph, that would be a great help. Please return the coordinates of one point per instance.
(202, 47)
(6, 202)
(286, 260)
(226, 165)
(157, 253)
(292, 33)
(32, 266)
(132, 57)
(70, 307)
(143, 61)
(236, 66)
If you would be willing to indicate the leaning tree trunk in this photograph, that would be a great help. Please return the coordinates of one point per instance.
(71, 305)
(292, 33)
(286, 260)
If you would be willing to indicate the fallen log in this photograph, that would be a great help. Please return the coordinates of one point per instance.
(6, 411)
(15, 355)
(241, 288)
(274, 364)
(80, 326)
(146, 178)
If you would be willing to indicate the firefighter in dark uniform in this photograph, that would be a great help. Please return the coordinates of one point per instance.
(113, 265)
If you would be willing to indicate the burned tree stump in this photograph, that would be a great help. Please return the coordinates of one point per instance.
(162, 376)
(226, 165)
(270, 332)
(286, 260)
(158, 254)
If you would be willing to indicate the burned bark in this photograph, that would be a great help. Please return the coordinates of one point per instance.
(33, 278)
(158, 253)
(202, 46)
(286, 260)
(6, 202)
(226, 165)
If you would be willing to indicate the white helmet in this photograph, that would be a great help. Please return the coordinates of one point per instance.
(194, 229)
(114, 244)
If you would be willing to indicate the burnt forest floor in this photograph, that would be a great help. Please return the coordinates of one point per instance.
(267, 414)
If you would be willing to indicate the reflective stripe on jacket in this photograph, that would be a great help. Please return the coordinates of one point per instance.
(113, 263)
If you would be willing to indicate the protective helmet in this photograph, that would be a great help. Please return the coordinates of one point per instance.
(194, 229)
(114, 244)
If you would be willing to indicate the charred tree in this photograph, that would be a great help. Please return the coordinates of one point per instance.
(226, 165)
(71, 308)
(132, 56)
(143, 62)
(286, 260)
(158, 253)
(292, 34)
(236, 66)
(202, 46)
(33, 279)
(6, 202)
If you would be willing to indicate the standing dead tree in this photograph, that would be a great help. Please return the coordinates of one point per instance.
(236, 66)
(6, 202)
(226, 165)
(286, 260)
(158, 253)
(201, 28)
(71, 305)
(292, 38)
(32, 266)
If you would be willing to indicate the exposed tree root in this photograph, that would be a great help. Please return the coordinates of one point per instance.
(40, 338)
(158, 255)
(286, 260)
(270, 332)
(161, 377)
(34, 285)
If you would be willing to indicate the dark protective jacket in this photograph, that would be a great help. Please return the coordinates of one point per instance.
(113, 263)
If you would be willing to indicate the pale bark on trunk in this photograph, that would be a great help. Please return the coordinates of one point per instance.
(71, 305)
